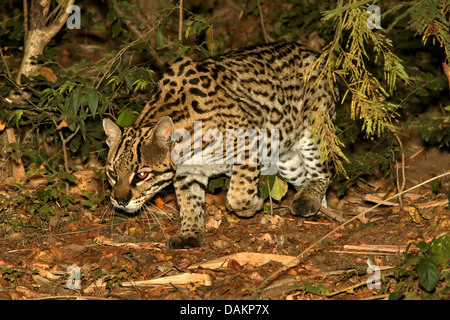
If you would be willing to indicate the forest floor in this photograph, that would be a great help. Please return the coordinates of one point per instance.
(125, 257)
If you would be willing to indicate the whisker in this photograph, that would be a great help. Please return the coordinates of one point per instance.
(174, 209)
(108, 211)
(155, 216)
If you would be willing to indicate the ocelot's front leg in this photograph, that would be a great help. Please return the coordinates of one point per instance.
(190, 192)
(242, 196)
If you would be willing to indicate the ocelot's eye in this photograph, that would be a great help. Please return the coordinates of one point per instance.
(112, 174)
(142, 175)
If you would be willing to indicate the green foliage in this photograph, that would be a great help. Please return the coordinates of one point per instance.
(428, 18)
(41, 203)
(377, 159)
(68, 105)
(435, 129)
(347, 57)
(11, 274)
(272, 188)
(317, 288)
(429, 267)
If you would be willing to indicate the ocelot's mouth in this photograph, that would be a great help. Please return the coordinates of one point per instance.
(130, 207)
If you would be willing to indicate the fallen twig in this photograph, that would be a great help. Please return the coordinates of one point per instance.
(401, 187)
(377, 248)
(253, 258)
(179, 279)
(335, 215)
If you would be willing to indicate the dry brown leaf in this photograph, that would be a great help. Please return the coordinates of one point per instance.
(62, 124)
(47, 274)
(415, 215)
(48, 74)
(41, 281)
(212, 198)
(213, 222)
(159, 203)
(233, 264)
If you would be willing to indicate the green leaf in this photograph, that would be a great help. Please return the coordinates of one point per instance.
(64, 87)
(125, 5)
(126, 118)
(279, 189)
(18, 113)
(93, 101)
(319, 289)
(159, 39)
(396, 295)
(264, 187)
(428, 274)
(129, 80)
(77, 97)
(422, 245)
(111, 16)
(439, 250)
(83, 129)
(216, 183)
(85, 150)
(117, 27)
(435, 186)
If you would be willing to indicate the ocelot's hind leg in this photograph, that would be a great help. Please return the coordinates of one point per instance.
(308, 200)
(302, 168)
(242, 196)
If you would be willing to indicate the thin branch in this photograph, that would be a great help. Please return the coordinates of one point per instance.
(261, 18)
(4, 62)
(54, 28)
(25, 20)
(401, 187)
(332, 214)
(54, 12)
(180, 23)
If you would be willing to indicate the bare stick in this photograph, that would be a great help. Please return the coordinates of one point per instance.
(180, 23)
(261, 18)
(401, 187)
(332, 214)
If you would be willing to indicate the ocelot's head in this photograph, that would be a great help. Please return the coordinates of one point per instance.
(139, 163)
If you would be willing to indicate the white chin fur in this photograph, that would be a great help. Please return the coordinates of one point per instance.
(130, 207)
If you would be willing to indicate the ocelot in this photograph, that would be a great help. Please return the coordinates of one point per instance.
(263, 91)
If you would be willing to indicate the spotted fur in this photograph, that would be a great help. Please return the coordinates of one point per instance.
(262, 87)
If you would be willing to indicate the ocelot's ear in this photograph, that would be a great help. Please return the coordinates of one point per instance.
(112, 131)
(163, 132)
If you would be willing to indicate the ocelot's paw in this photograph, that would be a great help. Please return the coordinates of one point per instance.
(181, 242)
(304, 206)
(245, 209)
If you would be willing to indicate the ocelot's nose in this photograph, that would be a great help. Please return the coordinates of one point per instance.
(123, 200)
